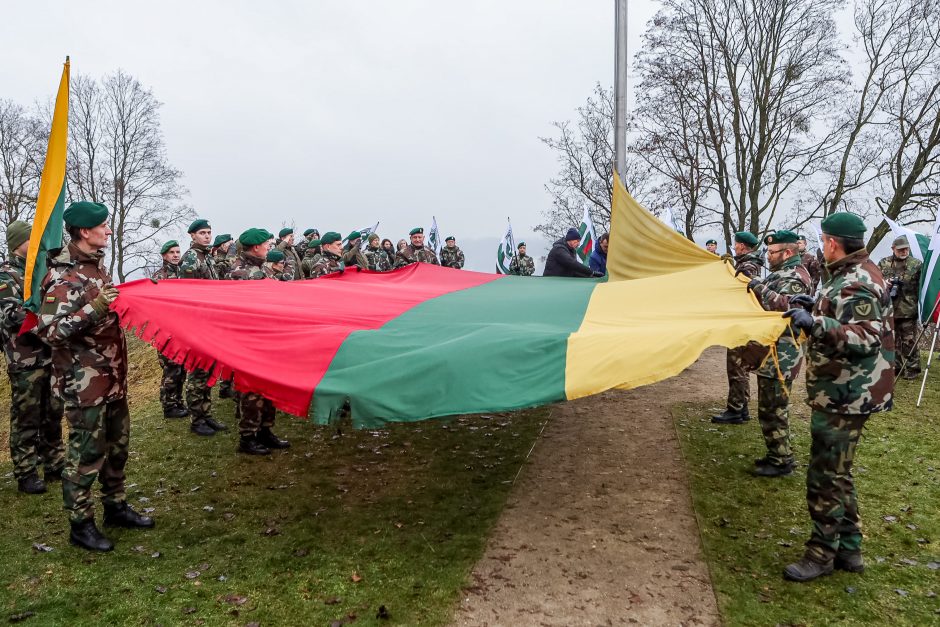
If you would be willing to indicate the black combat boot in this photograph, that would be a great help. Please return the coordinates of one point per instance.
(771, 469)
(267, 438)
(31, 484)
(251, 446)
(86, 535)
(201, 427)
(175, 411)
(53, 475)
(215, 424)
(807, 569)
(732, 417)
(850, 561)
(122, 515)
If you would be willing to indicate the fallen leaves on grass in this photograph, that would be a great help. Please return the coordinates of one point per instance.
(356, 577)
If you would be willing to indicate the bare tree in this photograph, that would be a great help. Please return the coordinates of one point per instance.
(117, 156)
(22, 152)
(585, 179)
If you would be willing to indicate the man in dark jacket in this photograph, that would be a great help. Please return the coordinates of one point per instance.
(598, 259)
(562, 259)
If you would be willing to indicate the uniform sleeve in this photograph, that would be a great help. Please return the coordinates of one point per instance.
(66, 312)
(188, 265)
(858, 327)
(779, 300)
(12, 313)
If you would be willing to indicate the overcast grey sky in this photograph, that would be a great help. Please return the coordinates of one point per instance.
(336, 114)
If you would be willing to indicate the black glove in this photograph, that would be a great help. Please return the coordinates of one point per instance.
(805, 301)
(801, 319)
(752, 284)
(595, 273)
(741, 271)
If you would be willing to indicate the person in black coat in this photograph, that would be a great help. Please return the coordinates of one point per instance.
(563, 260)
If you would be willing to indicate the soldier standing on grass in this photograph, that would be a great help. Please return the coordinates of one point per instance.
(787, 286)
(198, 263)
(174, 375)
(89, 357)
(902, 272)
(35, 412)
(747, 261)
(850, 375)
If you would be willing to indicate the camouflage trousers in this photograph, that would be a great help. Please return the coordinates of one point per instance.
(830, 488)
(905, 333)
(773, 414)
(35, 423)
(198, 394)
(98, 445)
(255, 411)
(739, 380)
(171, 386)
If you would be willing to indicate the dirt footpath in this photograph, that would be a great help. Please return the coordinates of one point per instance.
(599, 527)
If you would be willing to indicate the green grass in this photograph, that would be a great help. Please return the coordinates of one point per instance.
(751, 528)
(329, 530)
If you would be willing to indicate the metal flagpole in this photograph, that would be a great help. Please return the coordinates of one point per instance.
(933, 345)
(620, 86)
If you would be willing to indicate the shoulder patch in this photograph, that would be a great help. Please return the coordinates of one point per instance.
(50, 299)
(863, 310)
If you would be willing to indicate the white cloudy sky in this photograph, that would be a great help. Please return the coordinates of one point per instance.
(333, 113)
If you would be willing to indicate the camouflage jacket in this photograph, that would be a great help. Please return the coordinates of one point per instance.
(522, 265)
(223, 263)
(409, 255)
(291, 260)
(328, 263)
(811, 262)
(311, 257)
(247, 268)
(774, 293)
(452, 257)
(908, 272)
(197, 263)
(27, 351)
(166, 271)
(354, 257)
(850, 353)
(750, 264)
(89, 353)
(377, 259)
(277, 275)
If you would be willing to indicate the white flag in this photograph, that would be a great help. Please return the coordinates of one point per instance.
(434, 237)
(505, 252)
(911, 236)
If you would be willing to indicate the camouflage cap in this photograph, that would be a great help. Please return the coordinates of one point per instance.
(85, 215)
(221, 239)
(166, 247)
(781, 237)
(198, 225)
(274, 255)
(17, 234)
(900, 242)
(330, 236)
(373, 237)
(416, 231)
(746, 237)
(844, 224)
(253, 237)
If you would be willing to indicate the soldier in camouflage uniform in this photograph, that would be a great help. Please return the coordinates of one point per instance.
(522, 264)
(712, 246)
(220, 255)
(89, 357)
(416, 251)
(256, 413)
(902, 272)
(811, 262)
(747, 261)
(275, 266)
(198, 263)
(301, 248)
(285, 244)
(331, 260)
(376, 257)
(352, 256)
(35, 412)
(850, 375)
(311, 257)
(451, 255)
(788, 283)
(174, 375)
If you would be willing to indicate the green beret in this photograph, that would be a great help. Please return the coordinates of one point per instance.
(275, 255)
(782, 237)
(198, 225)
(801, 238)
(85, 215)
(746, 237)
(416, 231)
(253, 237)
(313, 244)
(285, 232)
(166, 247)
(520, 245)
(17, 233)
(221, 239)
(844, 224)
(711, 241)
(450, 238)
(330, 236)
(309, 232)
(354, 235)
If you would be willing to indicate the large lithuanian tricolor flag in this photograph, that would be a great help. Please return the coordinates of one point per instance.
(428, 341)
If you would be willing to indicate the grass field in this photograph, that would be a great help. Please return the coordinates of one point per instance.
(371, 527)
(753, 527)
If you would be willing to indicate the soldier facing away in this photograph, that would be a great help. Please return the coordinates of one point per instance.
(89, 357)
(174, 375)
(850, 375)
(451, 255)
(522, 264)
(35, 412)
(902, 272)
